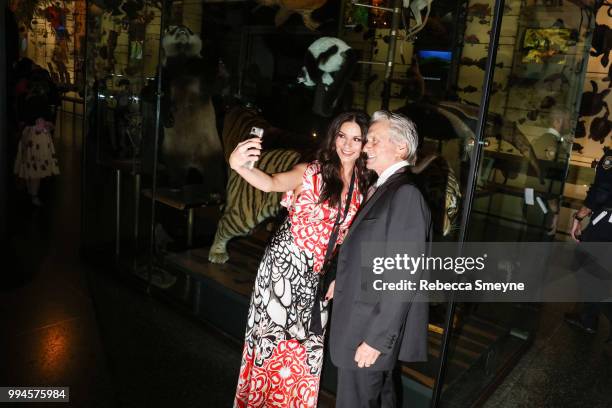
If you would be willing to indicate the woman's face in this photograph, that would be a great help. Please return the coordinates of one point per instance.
(349, 143)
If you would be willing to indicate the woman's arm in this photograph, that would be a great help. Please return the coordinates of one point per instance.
(250, 150)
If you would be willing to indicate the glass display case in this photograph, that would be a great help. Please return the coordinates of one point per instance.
(172, 86)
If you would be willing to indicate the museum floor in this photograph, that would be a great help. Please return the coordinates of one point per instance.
(67, 323)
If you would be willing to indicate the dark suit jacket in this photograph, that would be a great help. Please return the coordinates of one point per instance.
(396, 212)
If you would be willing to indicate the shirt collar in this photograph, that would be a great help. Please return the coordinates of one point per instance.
(389, 171)
(555, 133)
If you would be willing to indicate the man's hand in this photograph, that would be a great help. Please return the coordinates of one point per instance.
(330, 291)
(365, 355)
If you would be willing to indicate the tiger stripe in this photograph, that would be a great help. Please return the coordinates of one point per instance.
(246, 206)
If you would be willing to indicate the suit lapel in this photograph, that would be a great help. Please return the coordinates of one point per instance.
(375, 197)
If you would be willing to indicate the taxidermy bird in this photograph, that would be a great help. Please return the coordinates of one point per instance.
(324, 57)
(289, 7)
(416, 7)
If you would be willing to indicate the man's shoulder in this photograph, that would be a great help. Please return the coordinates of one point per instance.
(545, 138)
(406, 182)
(403, 177)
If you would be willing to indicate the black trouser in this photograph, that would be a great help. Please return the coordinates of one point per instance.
(600, 232)
(362, 388)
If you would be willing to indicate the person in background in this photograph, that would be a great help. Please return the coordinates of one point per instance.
(597, 205)
(36, 157)
(554, 146)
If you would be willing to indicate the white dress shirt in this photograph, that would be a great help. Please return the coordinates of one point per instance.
(389, 171)
(555, 133)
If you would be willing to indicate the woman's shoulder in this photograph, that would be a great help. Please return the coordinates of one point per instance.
(313, 167)
(312, 170)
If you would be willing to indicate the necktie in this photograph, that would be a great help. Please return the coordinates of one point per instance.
(371, 191)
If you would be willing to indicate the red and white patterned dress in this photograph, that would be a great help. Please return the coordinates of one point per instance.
(282, 359)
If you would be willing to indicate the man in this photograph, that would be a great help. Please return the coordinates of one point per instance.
(552, 144)
(597, 205)
(367, 337)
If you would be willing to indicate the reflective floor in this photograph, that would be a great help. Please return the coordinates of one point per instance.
(65, 323)
(563, 368)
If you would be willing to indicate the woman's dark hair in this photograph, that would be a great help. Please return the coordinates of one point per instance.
(330, 161)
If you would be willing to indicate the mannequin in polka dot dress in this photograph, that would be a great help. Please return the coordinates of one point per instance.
(36, 157)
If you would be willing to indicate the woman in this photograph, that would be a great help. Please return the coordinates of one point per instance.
(282, 356)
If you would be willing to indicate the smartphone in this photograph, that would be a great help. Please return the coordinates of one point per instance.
(257, 132)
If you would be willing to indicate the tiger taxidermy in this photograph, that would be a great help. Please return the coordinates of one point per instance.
(246, 206)
(441, 190)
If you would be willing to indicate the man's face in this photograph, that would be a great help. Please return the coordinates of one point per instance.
(381, 150)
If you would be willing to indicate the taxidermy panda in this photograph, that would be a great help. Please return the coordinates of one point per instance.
(191, 147)
(179, 46)
(181, 43)
(324, 57)
(328, 65)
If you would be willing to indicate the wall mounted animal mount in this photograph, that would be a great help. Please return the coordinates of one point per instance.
(481, 10)
(471, 39)
(480, 63)
(577, 147)
(286, 8)
(179, 42)
(601, 127)
(593, 102)
(601, 44)
(468, 89)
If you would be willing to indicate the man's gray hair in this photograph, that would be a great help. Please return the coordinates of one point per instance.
(402, 131)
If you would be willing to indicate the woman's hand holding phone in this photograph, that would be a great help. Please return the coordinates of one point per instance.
(245, 154)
